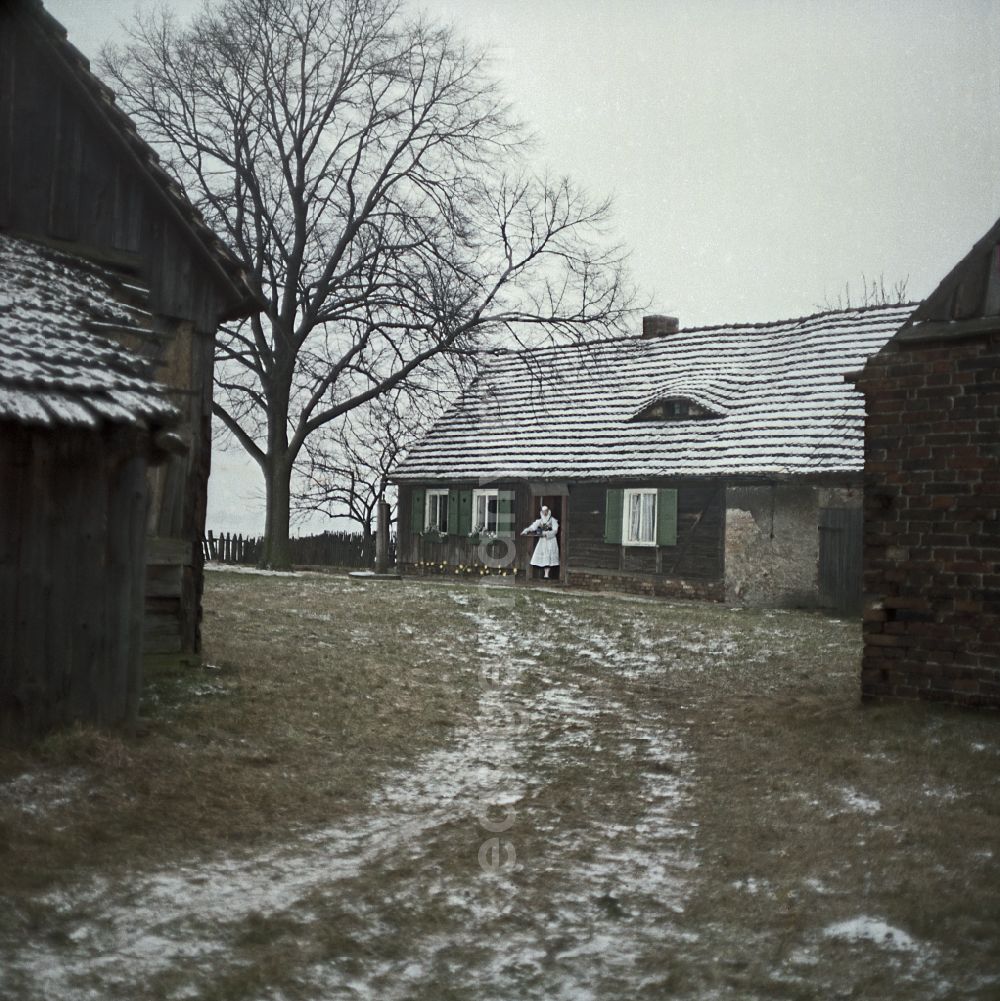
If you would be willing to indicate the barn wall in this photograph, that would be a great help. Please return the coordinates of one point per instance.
(794, 546)
(65, 176)
(772, 545)
(932, 534)
(68, 178)
(178, 491)
(72, 550)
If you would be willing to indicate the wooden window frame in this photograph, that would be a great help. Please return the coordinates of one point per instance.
(437, 492)
(628, 494)
(485, 492)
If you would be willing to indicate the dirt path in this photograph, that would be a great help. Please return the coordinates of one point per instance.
(536, 855)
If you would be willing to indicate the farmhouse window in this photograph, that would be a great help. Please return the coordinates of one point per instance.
(485, 510)
(641, 516)
(436, 512)
(639, 521)
(674, 408)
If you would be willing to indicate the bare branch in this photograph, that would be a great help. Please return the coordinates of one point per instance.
(363, 166)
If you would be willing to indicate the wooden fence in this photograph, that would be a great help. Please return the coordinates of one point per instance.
(333, 549)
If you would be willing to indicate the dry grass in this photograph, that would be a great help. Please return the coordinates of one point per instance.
(815, 811)
(308, 691)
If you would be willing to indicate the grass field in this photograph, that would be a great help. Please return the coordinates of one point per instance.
(436, 791)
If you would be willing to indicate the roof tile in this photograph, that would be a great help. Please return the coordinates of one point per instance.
(783, 405)
(54, 368)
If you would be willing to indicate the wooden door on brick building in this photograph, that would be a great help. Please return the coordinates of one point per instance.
(840, 552)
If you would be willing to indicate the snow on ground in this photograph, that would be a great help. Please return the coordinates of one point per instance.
(40, 792)
(866, 929)
(499, 769)
(853, 800)
(256, 571)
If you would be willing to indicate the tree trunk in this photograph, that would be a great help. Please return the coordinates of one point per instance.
(277, 554)
(382, 539)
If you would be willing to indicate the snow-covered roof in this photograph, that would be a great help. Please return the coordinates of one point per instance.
(63, 322)
(780, 401)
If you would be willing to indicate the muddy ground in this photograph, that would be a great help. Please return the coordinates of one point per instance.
(431, 791)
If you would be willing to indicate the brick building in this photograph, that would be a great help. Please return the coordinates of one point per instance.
(932, 491)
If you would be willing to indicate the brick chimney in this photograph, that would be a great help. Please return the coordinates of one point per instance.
(659, 326)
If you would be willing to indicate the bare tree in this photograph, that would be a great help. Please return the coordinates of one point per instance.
(873, 292)
(348, 466)
(365, 170)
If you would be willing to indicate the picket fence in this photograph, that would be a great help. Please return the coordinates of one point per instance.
(334, 549)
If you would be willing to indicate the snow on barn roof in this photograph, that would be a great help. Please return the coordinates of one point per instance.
(61, 363)
(777, 401)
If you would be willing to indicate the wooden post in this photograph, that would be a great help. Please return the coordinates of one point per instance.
(382, 538)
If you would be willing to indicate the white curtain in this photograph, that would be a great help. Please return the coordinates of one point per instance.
(641, 517)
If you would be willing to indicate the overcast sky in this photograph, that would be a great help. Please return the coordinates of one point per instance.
(760, 154)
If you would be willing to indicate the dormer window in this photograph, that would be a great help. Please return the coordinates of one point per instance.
(674, 408)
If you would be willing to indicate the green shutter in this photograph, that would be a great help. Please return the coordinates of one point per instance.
(417, 505)
(666, 517)
(614, 502)
(505, 514)
(464, 512)
(452, 512)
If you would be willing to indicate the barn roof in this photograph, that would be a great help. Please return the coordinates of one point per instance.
(968, 297)
(228, 270)
(779, 405)
(63, 322)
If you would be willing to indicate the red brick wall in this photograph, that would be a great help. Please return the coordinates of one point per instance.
(932, 535)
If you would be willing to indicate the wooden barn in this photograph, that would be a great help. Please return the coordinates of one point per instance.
(80, 422)
(932, 495)
(664, 458)
(77, 182)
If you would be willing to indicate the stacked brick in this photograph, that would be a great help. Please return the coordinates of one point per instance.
(932, 534)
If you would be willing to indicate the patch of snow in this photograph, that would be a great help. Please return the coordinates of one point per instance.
(256, 571)
(817, 886)
(947, 794)
(853, 800)
(866, 929)
(803, 957)
(750, 885)
(38, 793)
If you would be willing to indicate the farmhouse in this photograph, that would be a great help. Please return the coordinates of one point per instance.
(694, 462)
(932, 494)
(111, 280)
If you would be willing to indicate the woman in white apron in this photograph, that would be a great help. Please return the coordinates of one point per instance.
(546, 553)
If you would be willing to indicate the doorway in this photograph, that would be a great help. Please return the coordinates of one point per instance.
(554, 502)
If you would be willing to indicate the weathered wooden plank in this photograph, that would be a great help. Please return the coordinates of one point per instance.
(161, 550)
(8, 83)
(73, 475)
(14, 451)
(163, 581)
(135, 542)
